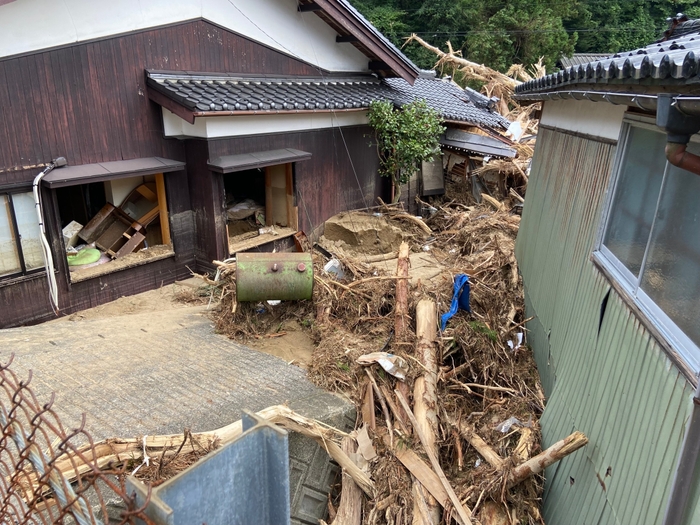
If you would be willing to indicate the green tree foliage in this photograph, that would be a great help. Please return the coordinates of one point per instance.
(404, 137)
(499, 33)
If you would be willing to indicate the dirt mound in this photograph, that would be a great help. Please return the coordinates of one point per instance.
(361, 233)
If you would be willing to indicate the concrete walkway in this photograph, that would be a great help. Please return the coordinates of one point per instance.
(152, 373)
(159, 372)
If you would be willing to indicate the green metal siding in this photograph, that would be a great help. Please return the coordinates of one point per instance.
(616, 385)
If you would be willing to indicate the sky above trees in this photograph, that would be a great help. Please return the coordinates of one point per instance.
(499, 33)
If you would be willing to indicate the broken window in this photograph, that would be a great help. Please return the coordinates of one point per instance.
(20, 243)
(113, 224)
(259, 206)
(651, 237)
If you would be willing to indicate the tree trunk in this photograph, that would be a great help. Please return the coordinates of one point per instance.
(424, 389)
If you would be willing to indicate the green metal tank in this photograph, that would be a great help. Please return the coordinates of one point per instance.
(269, 276)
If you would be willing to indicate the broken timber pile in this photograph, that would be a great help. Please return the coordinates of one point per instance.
(447, 425)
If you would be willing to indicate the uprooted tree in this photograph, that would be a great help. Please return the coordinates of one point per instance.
(404, 138)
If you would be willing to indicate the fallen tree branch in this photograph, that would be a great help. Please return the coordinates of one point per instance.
(462, 511)
(468, 433)
(541, 461)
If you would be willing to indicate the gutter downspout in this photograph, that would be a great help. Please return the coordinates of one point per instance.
(45, 248)
(679, 128)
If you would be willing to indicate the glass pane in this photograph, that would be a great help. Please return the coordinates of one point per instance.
(28, 226)
(672, 271)
(637, 193)
(9, 259)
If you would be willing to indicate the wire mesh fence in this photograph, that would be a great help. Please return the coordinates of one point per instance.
(49, 474)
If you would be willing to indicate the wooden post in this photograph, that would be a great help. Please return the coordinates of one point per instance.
(163, 208)
(401, 312)
(401, 308)
(425, 388)
(268, 197)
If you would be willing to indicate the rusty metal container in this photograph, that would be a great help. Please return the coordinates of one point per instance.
(283, 276)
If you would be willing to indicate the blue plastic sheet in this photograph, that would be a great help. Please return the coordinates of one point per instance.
(460, 299)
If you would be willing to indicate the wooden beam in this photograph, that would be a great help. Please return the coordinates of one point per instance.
(346, 38)
(306, 8)
(163, 209)
(171, 105)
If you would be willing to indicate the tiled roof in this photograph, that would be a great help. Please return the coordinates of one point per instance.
(451, 101)
(200, 93)
(675, 61)
(229, 93)
(578, 59)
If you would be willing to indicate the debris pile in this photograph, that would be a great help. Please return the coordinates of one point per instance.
(448, 419)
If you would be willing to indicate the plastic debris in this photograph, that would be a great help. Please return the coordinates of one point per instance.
(273, 302)
(460, 299)
(508, 424)
(392, 364)
(334, 267)
(518, 342)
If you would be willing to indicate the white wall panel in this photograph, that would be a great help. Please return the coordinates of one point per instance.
(30, 25)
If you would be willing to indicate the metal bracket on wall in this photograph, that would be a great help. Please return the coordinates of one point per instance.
(245, 481)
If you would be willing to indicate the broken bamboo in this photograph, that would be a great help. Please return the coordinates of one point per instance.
(401, 308)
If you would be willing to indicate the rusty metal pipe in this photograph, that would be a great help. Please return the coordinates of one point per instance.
(678, 156)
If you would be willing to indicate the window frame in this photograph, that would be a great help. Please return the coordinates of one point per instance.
(662, 325)
(23, 271)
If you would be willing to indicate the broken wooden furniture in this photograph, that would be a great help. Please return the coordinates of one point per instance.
(120, 231)
(113, 232)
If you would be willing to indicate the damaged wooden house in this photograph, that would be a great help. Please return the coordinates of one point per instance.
(609, 250)
(174, 134)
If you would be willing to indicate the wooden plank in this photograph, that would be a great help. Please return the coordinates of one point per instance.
(93, 229)
(268, 196)
(292, 220)
(282, 233)
(163, 209)
(131, 244)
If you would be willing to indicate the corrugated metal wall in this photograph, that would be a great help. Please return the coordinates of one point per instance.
(608, 379)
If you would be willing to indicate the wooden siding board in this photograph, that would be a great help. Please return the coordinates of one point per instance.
(617, 386)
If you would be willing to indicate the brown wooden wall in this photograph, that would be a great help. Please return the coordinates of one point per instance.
(88, 103)
(326, 183)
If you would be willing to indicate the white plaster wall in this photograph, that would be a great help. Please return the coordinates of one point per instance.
(29, 25)
(599, 119)
(236, 126)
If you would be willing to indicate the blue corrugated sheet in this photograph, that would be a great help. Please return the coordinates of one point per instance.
(607, 379)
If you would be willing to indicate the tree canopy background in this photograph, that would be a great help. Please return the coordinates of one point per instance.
(499, 33)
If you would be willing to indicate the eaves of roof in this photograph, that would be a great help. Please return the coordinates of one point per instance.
(674, 62)
(191, 95)
(387, 59)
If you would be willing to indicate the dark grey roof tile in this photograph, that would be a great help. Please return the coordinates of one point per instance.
(229, 93)
(675, 59)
